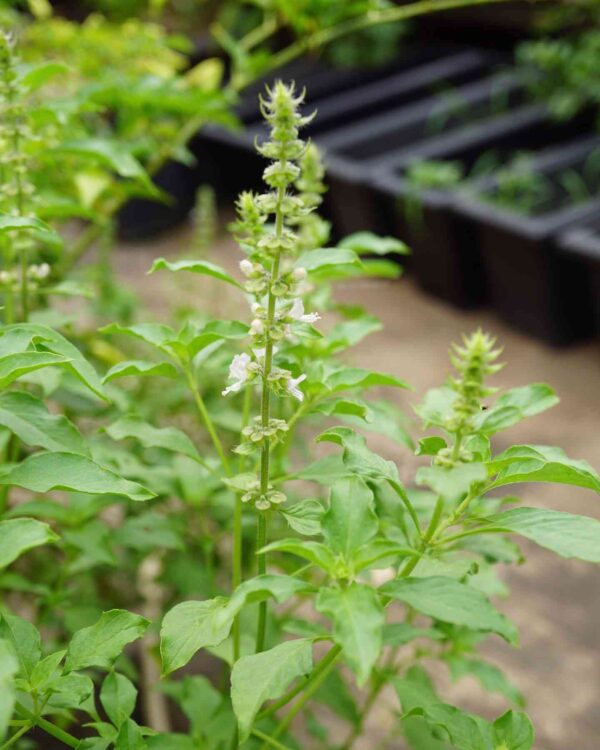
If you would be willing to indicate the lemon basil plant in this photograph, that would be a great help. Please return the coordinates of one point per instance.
(333, 579)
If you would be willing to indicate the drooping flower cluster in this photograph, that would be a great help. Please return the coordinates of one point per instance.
(474, 362)
(266, 230)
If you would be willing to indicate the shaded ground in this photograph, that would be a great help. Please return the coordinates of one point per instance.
(555, 602)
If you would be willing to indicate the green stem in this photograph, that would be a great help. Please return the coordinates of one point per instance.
(206, 420)
(16, 736)
(261, 540)
(470, 532)
(310, 688)
(425, 540)
(269, 740)
(238, 513)
(48, 727)
(331, 655)
(401, 492)
(456, 515)
(265, 413)
(259, 34)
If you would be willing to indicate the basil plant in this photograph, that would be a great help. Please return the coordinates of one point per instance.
(200, 550)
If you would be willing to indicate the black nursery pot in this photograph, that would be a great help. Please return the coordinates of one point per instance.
(582, 245)
(445, 253)
(228, 158)
(427, 129)
(534, 286)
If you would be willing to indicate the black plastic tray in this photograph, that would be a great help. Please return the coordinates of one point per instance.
(445, 253)
(535, 287)
(582, 244)
(428, 129)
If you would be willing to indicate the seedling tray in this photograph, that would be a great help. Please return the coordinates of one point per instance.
(228, 159)
(425, 130)
(582, 244)
(535, 287)
(445, 253)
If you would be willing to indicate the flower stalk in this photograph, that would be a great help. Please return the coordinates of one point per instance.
(264, 231)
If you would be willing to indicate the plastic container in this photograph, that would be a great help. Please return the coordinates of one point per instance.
(425, 130)
(582, 244)
(534, 286)
(445, 252)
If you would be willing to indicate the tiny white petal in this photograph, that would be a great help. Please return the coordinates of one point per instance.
(292, 387)
(246, 267)
(297, 313)
(237, 373)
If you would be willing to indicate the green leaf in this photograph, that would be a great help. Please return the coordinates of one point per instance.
(365, 243)
(430, 446)
(358, 620)
(149, 531)
(347, 406)
(463, 730)
(130, 737)
(118, 697)
(36, 76)
(515, 405)
(564, 533)
(357, 377)
(155, 334)
(101, 643)
(21, 534)
(328, 259)
(452, 483)
(168, 438)
(15, 366)
(541, 463)
(73, 692)
(265, 676)
(48, 340)
(46, 670)
(450, 601)
(326, 470)
(350, 521)
(45, 472)
(191, 340)
(9, 223)
(109, 153)
(400, 633)
(203, 267)
(513, 731)
(304, 517)
(193, 625)
(29, 419)
(25, 639)
(314, 552)
(436, 407)
(8, 668)
(492, 678)
(141, 368)
(382, 418)
(357, 457)
(349, 333)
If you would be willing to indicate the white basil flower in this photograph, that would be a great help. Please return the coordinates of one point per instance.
(292, 387)
(297, 313)
(238, 372)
